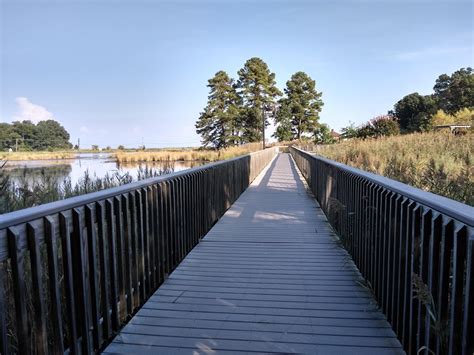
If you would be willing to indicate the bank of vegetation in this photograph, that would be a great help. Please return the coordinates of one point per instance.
(30, 191)
(207, 155)
(450, 104)
(438, 162)
(33, 155)
(26, 136)
(238, 109)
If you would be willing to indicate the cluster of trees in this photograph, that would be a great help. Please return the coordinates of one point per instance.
(384, 125)
(27, 136)
(451, 103)
(452, 93)
(238, 111)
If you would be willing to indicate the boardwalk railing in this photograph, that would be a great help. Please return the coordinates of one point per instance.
(72, 272)
(414, 248)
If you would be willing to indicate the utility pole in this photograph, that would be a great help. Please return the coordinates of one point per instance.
(78, 143)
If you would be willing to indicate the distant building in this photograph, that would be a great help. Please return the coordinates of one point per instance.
(452, 127)
(335, 135)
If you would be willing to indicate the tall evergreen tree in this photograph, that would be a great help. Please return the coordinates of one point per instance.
(302, 103)
(257, 87)
(284, 125)
(219, 123)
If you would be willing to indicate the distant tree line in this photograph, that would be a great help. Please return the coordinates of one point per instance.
(452, 102)
(27, 136)
(238, 111)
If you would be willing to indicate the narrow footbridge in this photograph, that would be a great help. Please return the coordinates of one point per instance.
(266, 253)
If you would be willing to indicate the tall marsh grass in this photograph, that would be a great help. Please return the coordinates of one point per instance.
(28, 192)
(207, 155)
(37, 155)
(438, 162)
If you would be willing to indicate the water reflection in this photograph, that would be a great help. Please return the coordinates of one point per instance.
(96, 164)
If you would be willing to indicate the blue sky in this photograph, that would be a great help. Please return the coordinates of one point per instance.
(122, 71)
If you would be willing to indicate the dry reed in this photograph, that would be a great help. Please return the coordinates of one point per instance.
(10, 156)
(207, 155)
(439, 162)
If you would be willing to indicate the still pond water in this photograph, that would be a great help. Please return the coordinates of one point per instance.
(96, 164)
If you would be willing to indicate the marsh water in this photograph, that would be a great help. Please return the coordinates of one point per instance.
(96, 164)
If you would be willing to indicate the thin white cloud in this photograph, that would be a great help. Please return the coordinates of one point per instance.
(84, 129)
(30, 111)
(430, 52)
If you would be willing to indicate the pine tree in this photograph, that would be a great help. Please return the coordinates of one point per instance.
(302, 104)
(219, 123)
(257, 88)
(284, 125)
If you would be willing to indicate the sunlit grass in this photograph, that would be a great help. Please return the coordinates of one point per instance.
(207, 155)
(37, 155)
(439, 162)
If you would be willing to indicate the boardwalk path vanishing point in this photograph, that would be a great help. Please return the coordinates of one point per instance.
(269, 277)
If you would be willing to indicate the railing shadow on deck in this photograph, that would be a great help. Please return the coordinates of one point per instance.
(72, 272)
(414, 248)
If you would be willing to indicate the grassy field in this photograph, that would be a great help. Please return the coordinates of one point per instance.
(37, 155)
(186, 154)
(439, 162)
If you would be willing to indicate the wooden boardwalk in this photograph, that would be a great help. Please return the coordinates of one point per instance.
(268, 278)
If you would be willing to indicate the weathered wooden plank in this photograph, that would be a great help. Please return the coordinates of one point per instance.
(322, 320)
(134, 249)
(365, 305)
(161, 232)
(236, 295)
(276, 327)
(104, 268)
(318, 292)
(71, 325)
(19, 290)
(127, 249)
(81, 277)
(152, 236)
(120, 254)
(165, 228)
(284, 345)
(93, 276)
(54, 287)
(142, 277)
(112, 260)
(145, 241)
(37, 290)
(4, 346)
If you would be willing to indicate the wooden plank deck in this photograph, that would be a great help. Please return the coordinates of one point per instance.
(268, 278)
